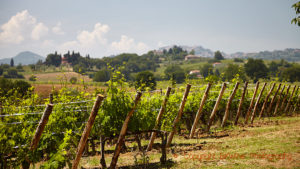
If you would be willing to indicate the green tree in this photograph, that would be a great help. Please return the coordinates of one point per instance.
(53, 59)
(218, 55)
(206, 69)
(1, 70)
(232, 70)
(73, 80)
(296, 20)
(175, 72)
(145, 79)
(101, 76)
(255, 69)
(292, 74)
(12, 64)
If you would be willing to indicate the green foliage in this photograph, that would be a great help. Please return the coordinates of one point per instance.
(292, 74)
(296, 20)
(1, 70)
(206, 69)
(175, 72)
(145, 80)
(218, 55)
(238, 60)
(9, 87)
(32, 78)
(13, 73)
(79, 69)
(256, 69)
(232, 70)
(102, 76)
(53, 59)
(73, 80)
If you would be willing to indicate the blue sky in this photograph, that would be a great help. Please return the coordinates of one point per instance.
(101, 27)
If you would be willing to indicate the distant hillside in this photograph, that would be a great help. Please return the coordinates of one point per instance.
(287, 54)
(23, 58)
(199, 50)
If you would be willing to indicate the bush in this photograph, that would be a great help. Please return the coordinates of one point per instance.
(101, 76)
(8, 87)
(73, 80)
(13, 73)
(32, 78)
(145, 79)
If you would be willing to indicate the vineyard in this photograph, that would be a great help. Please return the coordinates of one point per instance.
(63, 129)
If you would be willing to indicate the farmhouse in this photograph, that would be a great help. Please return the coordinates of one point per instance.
(189, 57)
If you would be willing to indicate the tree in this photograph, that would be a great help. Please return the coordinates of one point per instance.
(53, 59)
(145, 79)
(296, 20)
(292, 74)
(101, 76)
(218, 55)
(232, 70)
(192, 52)
(255, 69)
(1, 70)
(12, 64)
(206, 69)
(175, 72)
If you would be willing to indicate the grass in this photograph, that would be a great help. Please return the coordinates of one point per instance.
(272, 143)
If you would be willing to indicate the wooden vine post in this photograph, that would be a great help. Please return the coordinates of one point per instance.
(251, 103)
(87, 130)
(284, 98)
(296, 105)
(278, 101)
(199, 112)
(273, 99)
(211, 118)
(123, 131)
(40, 128)
(266, 101)
(257, 102)
(178, 117)
(289, 101)
(51, 98)
(159, 116)
(241, 104)
(229, 103)
(296, 101)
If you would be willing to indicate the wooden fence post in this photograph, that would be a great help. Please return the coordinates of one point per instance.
(296, 105)
(284, 98)
(211, 118)
(229, 103)
(273, 99)
(178, 117)
(251, 103)
(241, 104)
(279, 99)
(289, 101)
(123, 132)
(41, 127)
(87, 131)
(199, 112)
(296, 101)
(257, 102)
(51, 98)
(159, 116)
(102, 146)
(266, 100)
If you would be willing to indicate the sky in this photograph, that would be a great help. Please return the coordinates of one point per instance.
(109, 27)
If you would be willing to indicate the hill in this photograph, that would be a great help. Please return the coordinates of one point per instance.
(24, 58)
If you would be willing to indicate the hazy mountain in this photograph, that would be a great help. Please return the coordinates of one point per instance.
(287, 54)
(23, 58)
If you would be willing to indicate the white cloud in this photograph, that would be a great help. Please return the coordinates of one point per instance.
(57, 29)
(20, 27)
(86, 38)
(15, 30)
(127, 44)
(39, 31)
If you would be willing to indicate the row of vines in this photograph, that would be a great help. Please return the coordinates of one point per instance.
(57, 147)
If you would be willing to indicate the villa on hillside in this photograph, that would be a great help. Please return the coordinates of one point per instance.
(190, 57)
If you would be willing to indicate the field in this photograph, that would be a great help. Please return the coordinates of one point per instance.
(268, 143)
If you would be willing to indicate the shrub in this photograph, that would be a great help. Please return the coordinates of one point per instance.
(32, 78)
(73, 80)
